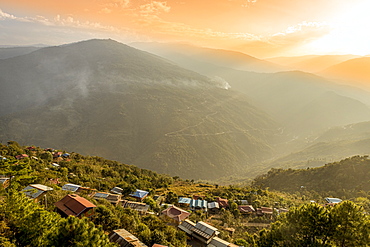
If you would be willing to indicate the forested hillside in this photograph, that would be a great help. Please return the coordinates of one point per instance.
(25, 222)
(104, 98)
(349, 178)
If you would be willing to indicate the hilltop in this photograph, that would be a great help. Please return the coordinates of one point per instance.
(104, 98)
(347, 178)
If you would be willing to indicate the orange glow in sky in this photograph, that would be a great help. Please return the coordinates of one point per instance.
(262, 28)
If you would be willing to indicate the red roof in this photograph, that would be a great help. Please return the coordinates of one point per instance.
(176, 213)
(224, 203)
(74, 205)
(21, 156)
(246, 208)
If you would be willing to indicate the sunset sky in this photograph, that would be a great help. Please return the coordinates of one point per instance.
(262, 28)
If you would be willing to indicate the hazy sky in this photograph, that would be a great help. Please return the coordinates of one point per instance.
(263, 28)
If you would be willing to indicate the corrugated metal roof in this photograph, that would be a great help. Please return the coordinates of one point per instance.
(2, 180)
(74, 204)
(208, 229)
(71, 187)
(198, 204)
(117, 190)
(184, 200)
(333, 200)
(213, 205)
(124, 238)
(139, 193)
(218, 242)
(101, 195)
(35, 190)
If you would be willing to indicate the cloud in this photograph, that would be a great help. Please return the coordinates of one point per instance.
(249, 3)
(154, 8)
(4, 16)
(301, 33)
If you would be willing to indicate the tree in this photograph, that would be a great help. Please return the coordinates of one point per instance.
(307, 225)
(106, 218)
(34, 226)
(76, 232)
(16, 170)
(351, 225)
(342, 225)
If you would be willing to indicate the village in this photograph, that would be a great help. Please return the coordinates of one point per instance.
(177, 215)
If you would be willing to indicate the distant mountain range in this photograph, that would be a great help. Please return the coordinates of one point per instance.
(186, 111)
(104, 98)
(195, 58)
(311, 63)
(355, 71)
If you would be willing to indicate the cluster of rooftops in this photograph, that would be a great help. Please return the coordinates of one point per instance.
(75, 205)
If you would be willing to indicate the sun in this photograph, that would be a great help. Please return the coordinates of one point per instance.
(349, 32)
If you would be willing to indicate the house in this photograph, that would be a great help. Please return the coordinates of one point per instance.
(187, 226)
(198, 204)
(4, 182)
(140, 194)
(114, 199)
(184, 201)
(213, 207)
(264, 211)
(66, 155)
(138, 206)
(176, 213)
(55, 164)
(75, 205)
(21, 156)
(223, 203)
(57, 154)
(117, 190)
(246, 209)
(125, 239)
(332, 200)
(71, 187)
(100, 195)
(218, 242)
(35, 191)
(204, 232)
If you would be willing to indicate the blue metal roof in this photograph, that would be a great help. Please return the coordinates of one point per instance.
(184, 200)
(140, 193)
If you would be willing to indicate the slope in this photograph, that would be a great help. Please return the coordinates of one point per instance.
(191, 57)
(354, 72)
(104, 98)
(342, 178)
(311, 63)
(283, 95)
(10, 52)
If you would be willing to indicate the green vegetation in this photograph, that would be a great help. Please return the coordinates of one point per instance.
(348, 179)
(27, 223)
(313, 225)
